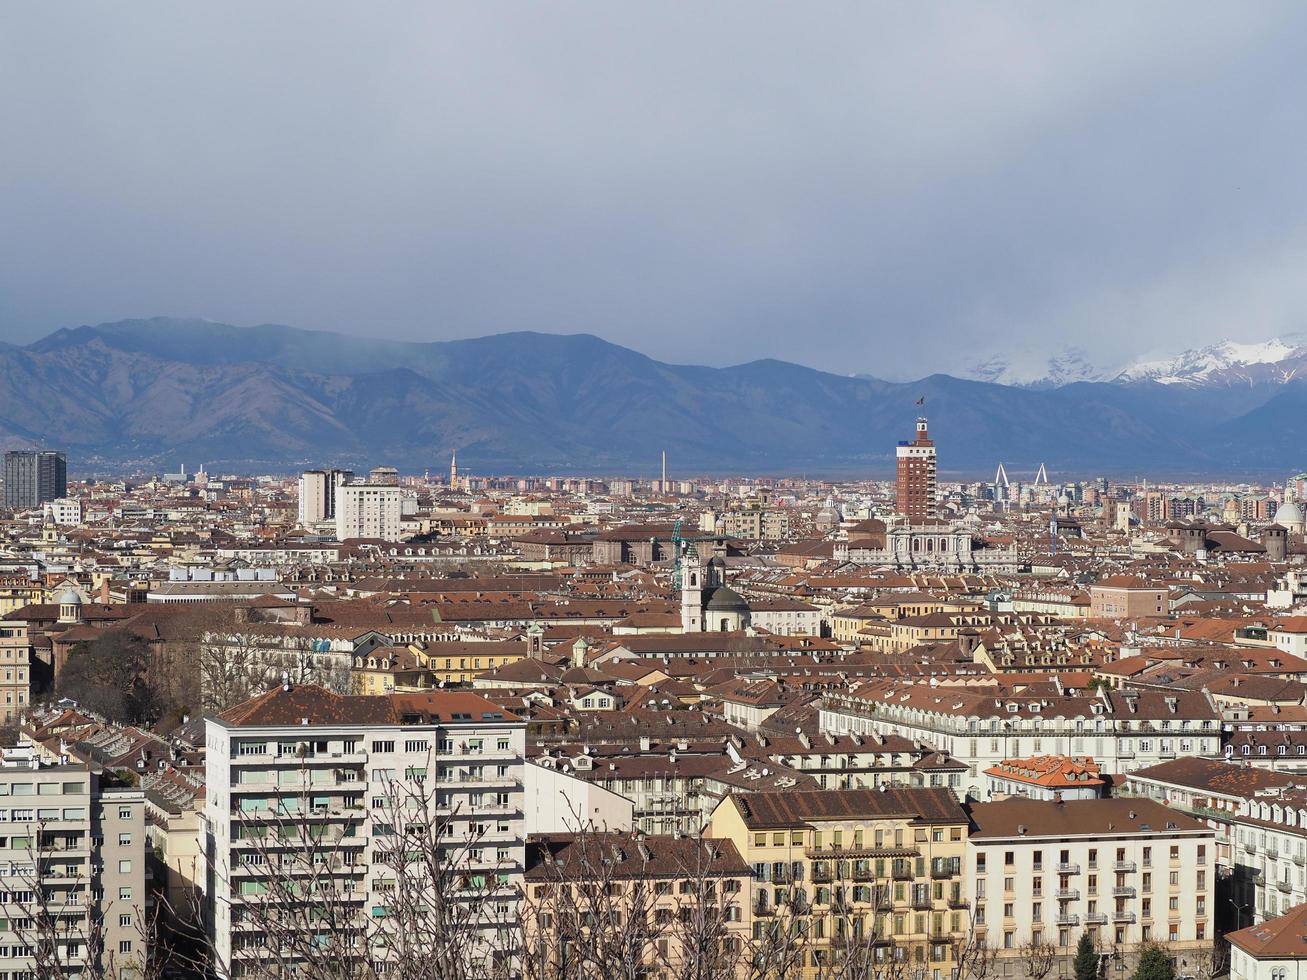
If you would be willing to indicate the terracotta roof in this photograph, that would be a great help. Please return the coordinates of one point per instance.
(290, 705)
(1019, 817)
(791, 809)
(1281, 938)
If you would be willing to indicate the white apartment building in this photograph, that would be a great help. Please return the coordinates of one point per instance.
(64, 511)
(366, 510)
(303, 760)
(1126, 871)
(72, 847)
(1121, 730)
(317, 494)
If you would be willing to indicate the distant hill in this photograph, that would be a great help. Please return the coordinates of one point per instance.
(157, 392)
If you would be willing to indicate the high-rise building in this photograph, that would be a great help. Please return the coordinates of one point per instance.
(34, 476)
(76, 860)
(317, 502)
(366, 510)
(300, 779)
(915, 490)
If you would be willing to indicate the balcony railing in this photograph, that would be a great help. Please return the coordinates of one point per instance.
(1124, 891)
(1068, 894)
(1124, 866)
(1121, 915)
(1068, 868)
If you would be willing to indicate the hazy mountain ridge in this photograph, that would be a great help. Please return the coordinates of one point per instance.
(162, 391)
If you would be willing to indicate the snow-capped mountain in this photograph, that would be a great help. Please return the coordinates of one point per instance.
(1228, 363)
(1028, 370)
(1224, 364)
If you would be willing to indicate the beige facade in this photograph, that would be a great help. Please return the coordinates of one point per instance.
(886, 865)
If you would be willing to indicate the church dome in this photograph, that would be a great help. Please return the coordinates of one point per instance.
(1289, 514)
(725, 599)
(69, 597)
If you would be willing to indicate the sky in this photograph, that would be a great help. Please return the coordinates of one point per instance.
(889, 189)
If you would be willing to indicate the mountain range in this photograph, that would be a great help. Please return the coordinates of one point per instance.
(149, 394)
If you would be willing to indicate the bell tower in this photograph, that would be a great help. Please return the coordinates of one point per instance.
(693, 574)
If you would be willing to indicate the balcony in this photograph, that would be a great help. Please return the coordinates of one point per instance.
(1096, 918)
(822, 874)
(943, 873)
(1284, 886)
(1068, 868)
(921, 903)
(957, 902)
(764, 910)
(1068, 919)
(1126, 866)
(902, 872)
(1067, 894)
(1121, 915)
(1124, 891)
(1299, 859)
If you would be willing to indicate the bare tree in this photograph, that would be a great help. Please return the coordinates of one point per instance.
(1039, 958)
(419, 898)
(59, 926)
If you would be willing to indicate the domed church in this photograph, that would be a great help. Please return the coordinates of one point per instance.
(708, 604)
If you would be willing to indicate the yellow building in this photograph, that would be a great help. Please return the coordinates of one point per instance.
(17, 591)
(422, 666)
(848, 869)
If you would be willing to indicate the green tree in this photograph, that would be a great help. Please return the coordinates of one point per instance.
(1154, 964)
(1086, 961)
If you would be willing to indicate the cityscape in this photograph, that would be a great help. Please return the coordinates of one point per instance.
(460, 724)
(618, 491)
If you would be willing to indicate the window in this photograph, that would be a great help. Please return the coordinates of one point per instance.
(125, 840)
(125, 867)
(383, 745)
(125, 920)
(125, 894)
(124, 945)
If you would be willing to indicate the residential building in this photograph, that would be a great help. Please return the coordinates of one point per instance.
(1122, 730)
(73, 849)
(366, 510)
(884, 866)
(1127, 597)
(613, 878)
(33, 477)
(1274, 950)
(1126, 871)
(304, 757)
(317, 495)
(15, 671)
(1045, 777)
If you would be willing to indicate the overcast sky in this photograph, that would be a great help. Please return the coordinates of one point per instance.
(890, 189)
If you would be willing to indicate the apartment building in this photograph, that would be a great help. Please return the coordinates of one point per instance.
(301, 778)
(613, 877)
(72, 848)
(15, 672)
(884, 866)
(1121, 730)
(366, 510)
(1127, 871)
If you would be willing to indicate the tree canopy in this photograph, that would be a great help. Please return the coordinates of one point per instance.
(110, 676)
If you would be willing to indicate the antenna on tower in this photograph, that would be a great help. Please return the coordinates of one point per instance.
(1000, 478)
(1041, 478)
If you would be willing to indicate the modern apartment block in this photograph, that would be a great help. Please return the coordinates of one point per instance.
(885, 864)
(73, 847)
(1127, 871)
(368, 510)
(33, 477)
(317, 494)
(302, 764)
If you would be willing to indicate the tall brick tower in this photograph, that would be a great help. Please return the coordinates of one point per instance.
(915, 497)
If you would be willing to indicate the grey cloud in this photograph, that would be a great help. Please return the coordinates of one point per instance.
(879, 188)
